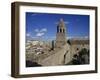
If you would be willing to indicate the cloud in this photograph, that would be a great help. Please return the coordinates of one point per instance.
(28, 35)
(36, 30)
(43, 30)
(40, 34)
(66, 22)
(86, 37)
(70, 37)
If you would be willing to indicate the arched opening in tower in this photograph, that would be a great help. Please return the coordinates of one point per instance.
(60, 30)
(63, 31)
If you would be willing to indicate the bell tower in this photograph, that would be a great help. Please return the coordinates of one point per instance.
(61, 34)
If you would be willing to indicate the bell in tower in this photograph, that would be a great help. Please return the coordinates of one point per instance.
(61, 34)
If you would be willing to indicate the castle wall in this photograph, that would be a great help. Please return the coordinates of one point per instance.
(57, 58)
(68, 54)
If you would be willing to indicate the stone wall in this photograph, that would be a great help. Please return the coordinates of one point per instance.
(57, 58)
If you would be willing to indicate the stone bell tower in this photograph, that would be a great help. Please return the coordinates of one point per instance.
(61, 34)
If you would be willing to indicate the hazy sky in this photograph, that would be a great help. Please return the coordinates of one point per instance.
(43, 25)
